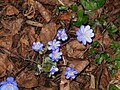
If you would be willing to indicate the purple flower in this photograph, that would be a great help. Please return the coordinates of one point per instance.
(37, 46)
(84, 34)
(62, 34)
(9, 84)
(70, 73)
(53, 69)
(55, 55)
(53, 45)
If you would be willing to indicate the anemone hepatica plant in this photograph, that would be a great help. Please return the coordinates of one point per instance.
(37, 46)
(53, 69)
(53, 45)
(9, 84)
(84, 34)
(62, 34)
(70, 73)
(55, 55)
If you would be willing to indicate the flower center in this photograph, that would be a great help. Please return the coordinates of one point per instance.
(71, 73)
(63, 34)
(9, 85)
(37, 47)
(54, 45)
(56, 54)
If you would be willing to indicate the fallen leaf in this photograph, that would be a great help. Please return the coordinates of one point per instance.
(27, 79)
(14, 26)
(48, 32)
(11, 10)
(43, 11)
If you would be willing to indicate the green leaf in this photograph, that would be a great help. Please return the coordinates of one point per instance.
(112, 29)
(95, 44)
(101, 56)
(117, 64)
(74, 7)
(113, 87)
(93, 4)
(99, 59)
(115, 46)
(63, 8)
(81, 19)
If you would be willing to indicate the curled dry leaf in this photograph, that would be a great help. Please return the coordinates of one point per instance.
(10, 10)
(43, 11)
(48, 32)
(29, 7)
(27, 79)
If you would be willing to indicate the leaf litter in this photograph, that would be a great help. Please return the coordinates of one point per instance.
(35, 21)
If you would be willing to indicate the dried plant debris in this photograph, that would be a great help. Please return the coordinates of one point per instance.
(60, 44)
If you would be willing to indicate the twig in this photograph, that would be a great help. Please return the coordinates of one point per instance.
(61, 2)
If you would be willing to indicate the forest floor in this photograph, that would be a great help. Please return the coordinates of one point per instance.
(23, 22)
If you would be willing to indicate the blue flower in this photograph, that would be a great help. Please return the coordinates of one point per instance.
(62, 34)
(9, 84)
(53, 45)
(53, 69)
(55, 55)
(37, 46)
(84, 34)
(70, 73)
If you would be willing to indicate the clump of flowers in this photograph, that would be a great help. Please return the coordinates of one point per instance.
(70, 73)
(84, 34)
(37, 46)
(55, 55)
(53, 45)
(62, 34)
(9, 84)
(53, 70)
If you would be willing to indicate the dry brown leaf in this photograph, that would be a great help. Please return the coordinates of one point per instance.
(14, 26)
(106, 39)
(64, 84)
(3, 67)
(105, 78)
(48, 32)
(76, 45)
(74, 86)
(43, 11)
(27, 79)
(6, 42)
(75, 49)
(65, 16)
(11, 10)
(79, 65)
